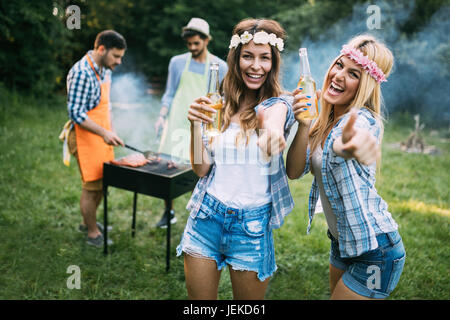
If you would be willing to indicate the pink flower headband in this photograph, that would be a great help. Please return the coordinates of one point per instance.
(370, 66)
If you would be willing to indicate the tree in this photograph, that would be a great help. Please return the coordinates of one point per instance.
(30, 38)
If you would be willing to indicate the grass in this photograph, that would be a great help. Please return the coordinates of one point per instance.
(40, 212)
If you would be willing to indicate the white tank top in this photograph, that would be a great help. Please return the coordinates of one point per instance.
(241, 179)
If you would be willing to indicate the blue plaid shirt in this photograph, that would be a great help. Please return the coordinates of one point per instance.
(83, 88)
(282, 202)
(350, 187)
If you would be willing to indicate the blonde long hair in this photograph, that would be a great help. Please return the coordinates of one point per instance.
(368, 94)
(233, 85)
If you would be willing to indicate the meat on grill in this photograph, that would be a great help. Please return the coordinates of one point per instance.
(171, 165)
(132, 160)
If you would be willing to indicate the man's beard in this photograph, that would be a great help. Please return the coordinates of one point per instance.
(104, 62)
(199, 53)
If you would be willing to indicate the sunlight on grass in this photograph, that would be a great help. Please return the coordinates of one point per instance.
(419, 207)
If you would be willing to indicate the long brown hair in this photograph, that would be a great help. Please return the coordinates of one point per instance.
(368, 94)
(233, 86)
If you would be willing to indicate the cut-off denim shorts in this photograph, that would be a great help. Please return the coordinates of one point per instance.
(375, 273)
(238, 237)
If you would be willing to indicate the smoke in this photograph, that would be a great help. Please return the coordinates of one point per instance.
(421, 74)
(134, 112)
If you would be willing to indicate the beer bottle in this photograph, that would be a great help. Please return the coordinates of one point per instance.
(213, 129)
(309, 86)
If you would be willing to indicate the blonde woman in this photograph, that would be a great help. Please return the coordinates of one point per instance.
(341, 149)
(241, 195)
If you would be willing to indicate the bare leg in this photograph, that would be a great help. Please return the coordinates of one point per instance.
(335, 276)
(89, 203)
(247, 286)
(98, 201)
(338, 289)
(202, 278)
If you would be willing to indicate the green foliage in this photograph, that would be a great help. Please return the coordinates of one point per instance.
(31, 39)
(311, 18)
(151, 50)
(38, 49)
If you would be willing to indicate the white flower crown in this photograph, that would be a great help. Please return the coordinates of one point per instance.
(260, 37)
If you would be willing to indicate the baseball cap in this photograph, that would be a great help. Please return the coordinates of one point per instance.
(200, 25)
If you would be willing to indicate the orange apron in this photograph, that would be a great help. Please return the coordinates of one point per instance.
(92, 149)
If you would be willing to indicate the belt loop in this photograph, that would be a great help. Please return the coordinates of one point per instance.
(212, 202)
(390, 236)
(240, 214)
(216, 205)
(208, 199)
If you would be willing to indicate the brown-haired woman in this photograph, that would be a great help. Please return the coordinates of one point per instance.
(243, 192)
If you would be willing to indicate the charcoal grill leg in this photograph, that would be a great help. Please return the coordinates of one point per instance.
(167, 209)
(133, 223)
(105, 219)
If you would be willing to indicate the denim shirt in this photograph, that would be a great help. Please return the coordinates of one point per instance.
(350, 187)
(282, 202)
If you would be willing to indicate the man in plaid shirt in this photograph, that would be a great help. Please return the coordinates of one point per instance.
(92, 138)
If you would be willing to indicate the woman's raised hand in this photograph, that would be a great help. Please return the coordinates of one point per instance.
(270, 123)
(359, 143)
(199, 109)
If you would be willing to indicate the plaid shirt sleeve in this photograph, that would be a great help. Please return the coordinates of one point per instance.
(79, 87)
(282, 202)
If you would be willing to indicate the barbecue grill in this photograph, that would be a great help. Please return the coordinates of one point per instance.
(153, 179)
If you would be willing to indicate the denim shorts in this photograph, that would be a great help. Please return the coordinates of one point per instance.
(238, 237)
(375, 273)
